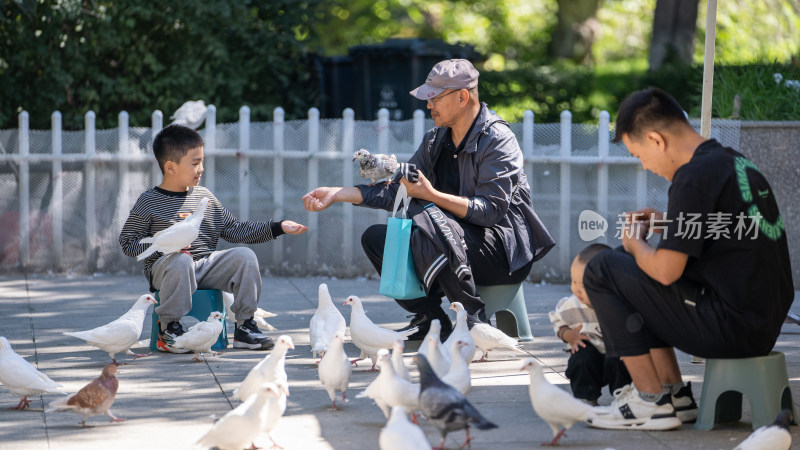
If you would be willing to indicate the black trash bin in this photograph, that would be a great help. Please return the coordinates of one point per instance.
(379, 76)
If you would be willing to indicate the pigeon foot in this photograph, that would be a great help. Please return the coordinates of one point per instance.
(139, 355)
(23, 403)
(555, 442)
(355, 361)
(466, 443)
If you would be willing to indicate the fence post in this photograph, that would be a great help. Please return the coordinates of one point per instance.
(24, 190)
(209, 160)
(278, 129)
(124, 173)
(602, 167)
(244, 163)
(383, 131)
(419, 128)
(313, 182)
(57, 201)
(91, 192)
(157, 124)
(565, 191)
(527, 144)
(348, 148)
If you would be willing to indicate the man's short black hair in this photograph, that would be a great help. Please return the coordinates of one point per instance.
(173, 142)
(645, 110)
(587, 253)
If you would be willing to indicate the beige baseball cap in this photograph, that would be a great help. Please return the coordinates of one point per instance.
(448, 74)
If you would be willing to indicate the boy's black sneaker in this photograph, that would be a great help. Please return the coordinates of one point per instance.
(684, 404)
(423, 323)
(166, 338)
(247, 335)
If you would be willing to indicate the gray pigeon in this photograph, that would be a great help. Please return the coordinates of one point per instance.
(445, 406)
(375, 167)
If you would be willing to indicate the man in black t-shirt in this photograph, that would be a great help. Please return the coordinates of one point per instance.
(717, 285)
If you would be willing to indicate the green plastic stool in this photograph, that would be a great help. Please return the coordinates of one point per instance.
(204, 302)
(507, 303)
(763, 380)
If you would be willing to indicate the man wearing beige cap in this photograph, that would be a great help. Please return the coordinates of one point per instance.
(468, 169)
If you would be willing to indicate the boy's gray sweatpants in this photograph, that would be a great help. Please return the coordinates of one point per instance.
(177, 276)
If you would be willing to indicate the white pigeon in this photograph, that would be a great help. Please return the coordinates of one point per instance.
(435, 331)
(487, 338)
(461, 332)
(440, 363)
(273, 410)
(178, 236)
(335, 369)
(259, 316)
(397, 360)
(554, 405)
(367, 336)
(240, 427)
(400, 434)
(771, 437)
(389, 389)
(201, 336)
(21, 378)
(375, 167)
(269, 370)
(121, 334)
(191, 114)
(326, 321)
(458, 374)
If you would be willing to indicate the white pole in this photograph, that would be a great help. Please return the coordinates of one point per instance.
(244, 163)
(348, 148)
(527, 144)
(278, 129)
(708, 69)
(313, 182)
(24, 191)
(602, 170)
(210, 140)
(382, 216)
(91, 192)
(419, 128)
(123, 206)
(157, 124)
(565, 190)
(57, 202)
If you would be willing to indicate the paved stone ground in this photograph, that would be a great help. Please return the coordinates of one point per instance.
(170, 401)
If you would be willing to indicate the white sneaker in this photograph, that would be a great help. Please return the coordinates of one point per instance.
(629, 412)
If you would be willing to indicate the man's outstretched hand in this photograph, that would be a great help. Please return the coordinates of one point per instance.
(320, 198)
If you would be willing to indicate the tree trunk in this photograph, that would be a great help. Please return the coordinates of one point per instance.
(674, 26)
(575, 30)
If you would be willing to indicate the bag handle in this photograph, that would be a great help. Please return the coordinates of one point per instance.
(401, 196)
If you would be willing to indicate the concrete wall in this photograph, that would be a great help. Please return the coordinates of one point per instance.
(775, 148)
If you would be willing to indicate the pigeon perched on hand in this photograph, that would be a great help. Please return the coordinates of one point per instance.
(555, 406)
(390, 390)
(335, 369)
(444, 406)
(94, 398)
(400, 434)
(258, 316)
(461, 333)
(458, 374)
(21, 378)
(487, 338)
(771, 437)
(201, 336)
(367, 336)
(240, 427)
(121, 334)
(191, 114)
(178, 236)
(326, 321)
(375, 167)
(269, 370)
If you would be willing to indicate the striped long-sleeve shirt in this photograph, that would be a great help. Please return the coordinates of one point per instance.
(157, 209)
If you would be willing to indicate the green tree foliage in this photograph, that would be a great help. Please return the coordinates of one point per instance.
(138, 56)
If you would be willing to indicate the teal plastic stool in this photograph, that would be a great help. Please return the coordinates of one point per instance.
(507, 303)
(763, 380)
(204, 302)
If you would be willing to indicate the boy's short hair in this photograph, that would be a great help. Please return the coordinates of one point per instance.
(648, 109)
(587, 253)
(173, 142)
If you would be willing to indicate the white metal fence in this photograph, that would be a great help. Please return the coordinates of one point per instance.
(77, 187)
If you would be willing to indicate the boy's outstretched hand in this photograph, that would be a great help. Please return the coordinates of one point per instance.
(290, 227)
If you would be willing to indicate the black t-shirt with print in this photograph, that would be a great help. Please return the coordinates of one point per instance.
(715, 202)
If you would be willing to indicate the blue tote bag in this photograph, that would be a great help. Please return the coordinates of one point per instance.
(398, 275)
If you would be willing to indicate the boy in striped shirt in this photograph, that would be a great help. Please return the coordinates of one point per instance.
(179, 151)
